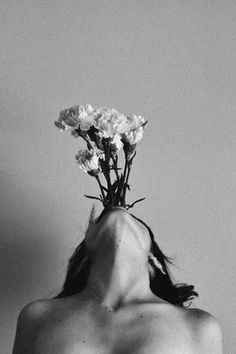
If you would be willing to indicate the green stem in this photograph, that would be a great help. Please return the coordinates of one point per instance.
(100, 185)
(126, 182)
(106, 170)
(89, 145)
(109, 176)
(123, 182)
(108, 166)
(115, 166)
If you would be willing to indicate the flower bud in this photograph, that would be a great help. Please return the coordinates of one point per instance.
(129, 150)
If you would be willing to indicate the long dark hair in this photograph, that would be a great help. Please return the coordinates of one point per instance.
(161, 284)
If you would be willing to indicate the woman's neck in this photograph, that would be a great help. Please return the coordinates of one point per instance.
(116, 279)
(119, 248)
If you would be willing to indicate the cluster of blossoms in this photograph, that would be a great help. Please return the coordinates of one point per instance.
(105, 131)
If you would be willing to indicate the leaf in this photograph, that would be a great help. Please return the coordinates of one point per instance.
(128, 186)
(143, 125)
(136, 201)
(115, 185)
(131, 160)
(92, 197)
(115, 168)
(104, 188)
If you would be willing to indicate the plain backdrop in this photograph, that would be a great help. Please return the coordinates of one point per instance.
(172, 62)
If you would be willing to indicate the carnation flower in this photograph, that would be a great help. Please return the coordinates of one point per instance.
(76, 117)
(109, 122)
(133, 136)
(134, 132)
(105, 131)
(135, 121)
(88, 160)
(69, 118)
(86, 118)
(116, 143)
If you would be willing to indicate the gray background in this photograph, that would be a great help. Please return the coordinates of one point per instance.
(172, 62)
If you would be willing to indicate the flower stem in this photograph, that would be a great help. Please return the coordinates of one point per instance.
(108, 165)
(126, 182)
(123, 186)
(89, 145)
(101, 188)
(115, 166)
(106, 171)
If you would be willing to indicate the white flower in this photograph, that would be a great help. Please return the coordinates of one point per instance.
(86, 118)
(134, 132)
(116, 142)
(75, 117)
(69, 118)
(109, 122)
(88, 160)
(133, 136)
(135, 121)
(89, 109)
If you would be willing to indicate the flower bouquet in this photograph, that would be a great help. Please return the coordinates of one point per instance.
(105, 132)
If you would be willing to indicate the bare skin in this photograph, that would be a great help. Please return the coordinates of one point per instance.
(116, 313)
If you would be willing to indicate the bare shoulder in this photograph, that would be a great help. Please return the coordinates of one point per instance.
(207, 329)
(34, 311)
(35, 308)
(28, 321)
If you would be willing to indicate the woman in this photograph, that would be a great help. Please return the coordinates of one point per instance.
(117, 298)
